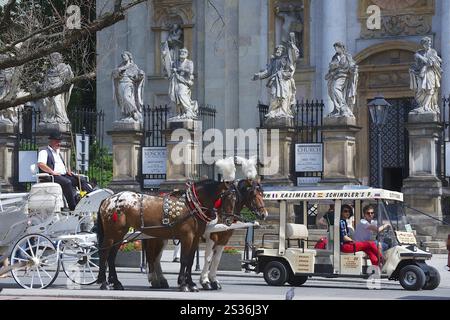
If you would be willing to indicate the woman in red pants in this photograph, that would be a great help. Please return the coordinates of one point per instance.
(350, 246)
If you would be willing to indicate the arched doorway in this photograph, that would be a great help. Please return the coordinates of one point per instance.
(384, 69)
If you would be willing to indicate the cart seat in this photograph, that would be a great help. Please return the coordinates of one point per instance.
(293, 231)
(296, 231)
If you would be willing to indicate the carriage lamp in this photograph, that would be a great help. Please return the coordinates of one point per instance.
(377, 109)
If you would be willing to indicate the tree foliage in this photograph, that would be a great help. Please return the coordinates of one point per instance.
(32, 29)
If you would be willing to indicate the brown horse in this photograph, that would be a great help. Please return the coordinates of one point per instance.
(247, 193)
(183, 216)
(250, 195)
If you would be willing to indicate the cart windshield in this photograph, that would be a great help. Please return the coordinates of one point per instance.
(392, 213)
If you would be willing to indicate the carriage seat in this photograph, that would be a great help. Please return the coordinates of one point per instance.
(45, 198)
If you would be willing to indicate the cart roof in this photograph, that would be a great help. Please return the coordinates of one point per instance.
(329, 193)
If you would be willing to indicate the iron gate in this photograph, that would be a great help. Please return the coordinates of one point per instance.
(307, 125)
(155, 123)
(83, 119)
(394, 144)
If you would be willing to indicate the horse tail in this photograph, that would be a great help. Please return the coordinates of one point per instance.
(100, 232)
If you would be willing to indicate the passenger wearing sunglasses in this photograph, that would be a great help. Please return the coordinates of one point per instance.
(350, 246)
(369, 226)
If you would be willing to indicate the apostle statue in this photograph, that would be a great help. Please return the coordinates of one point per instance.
(180, 72)
(54, 109)
(128, 82)
(8, 116)
(425, 78)
(342, 83)
(281, 84)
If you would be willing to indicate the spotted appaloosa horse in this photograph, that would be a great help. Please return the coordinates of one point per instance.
(145, 213)
(250, 195)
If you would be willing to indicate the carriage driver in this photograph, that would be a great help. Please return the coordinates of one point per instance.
(50, 161)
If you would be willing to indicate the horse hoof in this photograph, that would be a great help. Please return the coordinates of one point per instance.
(118, 286)
(163, 284)
(184, 288)
(216, 285)
(193, 288)
(104, 286)
(207, 286)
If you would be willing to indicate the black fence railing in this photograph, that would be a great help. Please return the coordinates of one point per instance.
(307, 125)
(87, 122)
(84, 120)
(155, 125)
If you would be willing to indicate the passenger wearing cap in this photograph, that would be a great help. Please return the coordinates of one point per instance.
(50, 161)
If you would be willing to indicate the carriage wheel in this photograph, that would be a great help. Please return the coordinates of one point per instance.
(80, 263)
(34, 262)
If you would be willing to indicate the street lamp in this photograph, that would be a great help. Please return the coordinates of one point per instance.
(377, 108)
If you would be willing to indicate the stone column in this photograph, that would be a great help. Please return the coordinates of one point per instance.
(339, 143)
(7, 157)
(283, 159)
(423, 189)
(445, 48)
(182, 141)
(126, 141)
(334, 28)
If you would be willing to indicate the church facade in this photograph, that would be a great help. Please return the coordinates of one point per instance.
(230, 40)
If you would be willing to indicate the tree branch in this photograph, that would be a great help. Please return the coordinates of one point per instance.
(4, 104)
(7, 14)
(10, 47)
(101, 23)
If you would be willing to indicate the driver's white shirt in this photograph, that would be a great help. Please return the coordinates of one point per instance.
(59, 164)
(362, 232)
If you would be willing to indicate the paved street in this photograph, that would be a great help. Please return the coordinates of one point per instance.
(236, 286)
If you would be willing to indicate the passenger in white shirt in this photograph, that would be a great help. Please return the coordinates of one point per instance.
(369, 226)
(50, 161)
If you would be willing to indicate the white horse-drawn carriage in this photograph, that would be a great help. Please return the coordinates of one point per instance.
(39, 236)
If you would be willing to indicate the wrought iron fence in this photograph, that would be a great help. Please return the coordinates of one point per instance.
(87, 122)
(307, 125)
(83, 120)
(155, 126)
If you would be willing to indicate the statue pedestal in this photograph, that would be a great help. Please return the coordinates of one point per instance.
(423, 189)
(339, 150)
(126, 156)
(278, 123)
(182, 153)
(49, 127)
(277, 171)
(7, 157)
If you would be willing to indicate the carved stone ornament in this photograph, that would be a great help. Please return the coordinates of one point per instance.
(398, 18)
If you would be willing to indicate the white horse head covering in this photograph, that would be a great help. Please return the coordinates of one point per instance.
(248, 166)
(227, 167)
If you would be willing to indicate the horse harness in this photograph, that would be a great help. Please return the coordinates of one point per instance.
(174, 203)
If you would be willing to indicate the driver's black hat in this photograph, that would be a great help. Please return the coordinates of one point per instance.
(55, 135)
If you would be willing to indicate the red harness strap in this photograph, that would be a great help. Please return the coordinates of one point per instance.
(198, 209)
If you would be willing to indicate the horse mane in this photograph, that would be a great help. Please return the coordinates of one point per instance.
(209, 187)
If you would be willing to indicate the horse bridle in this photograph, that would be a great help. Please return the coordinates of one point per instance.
(255, 209)
(229, 217)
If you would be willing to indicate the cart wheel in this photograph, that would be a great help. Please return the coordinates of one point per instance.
(297, 281)
(433, 280)
(412, 277)
(35, 262)
(275, 273)
(80, 263)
